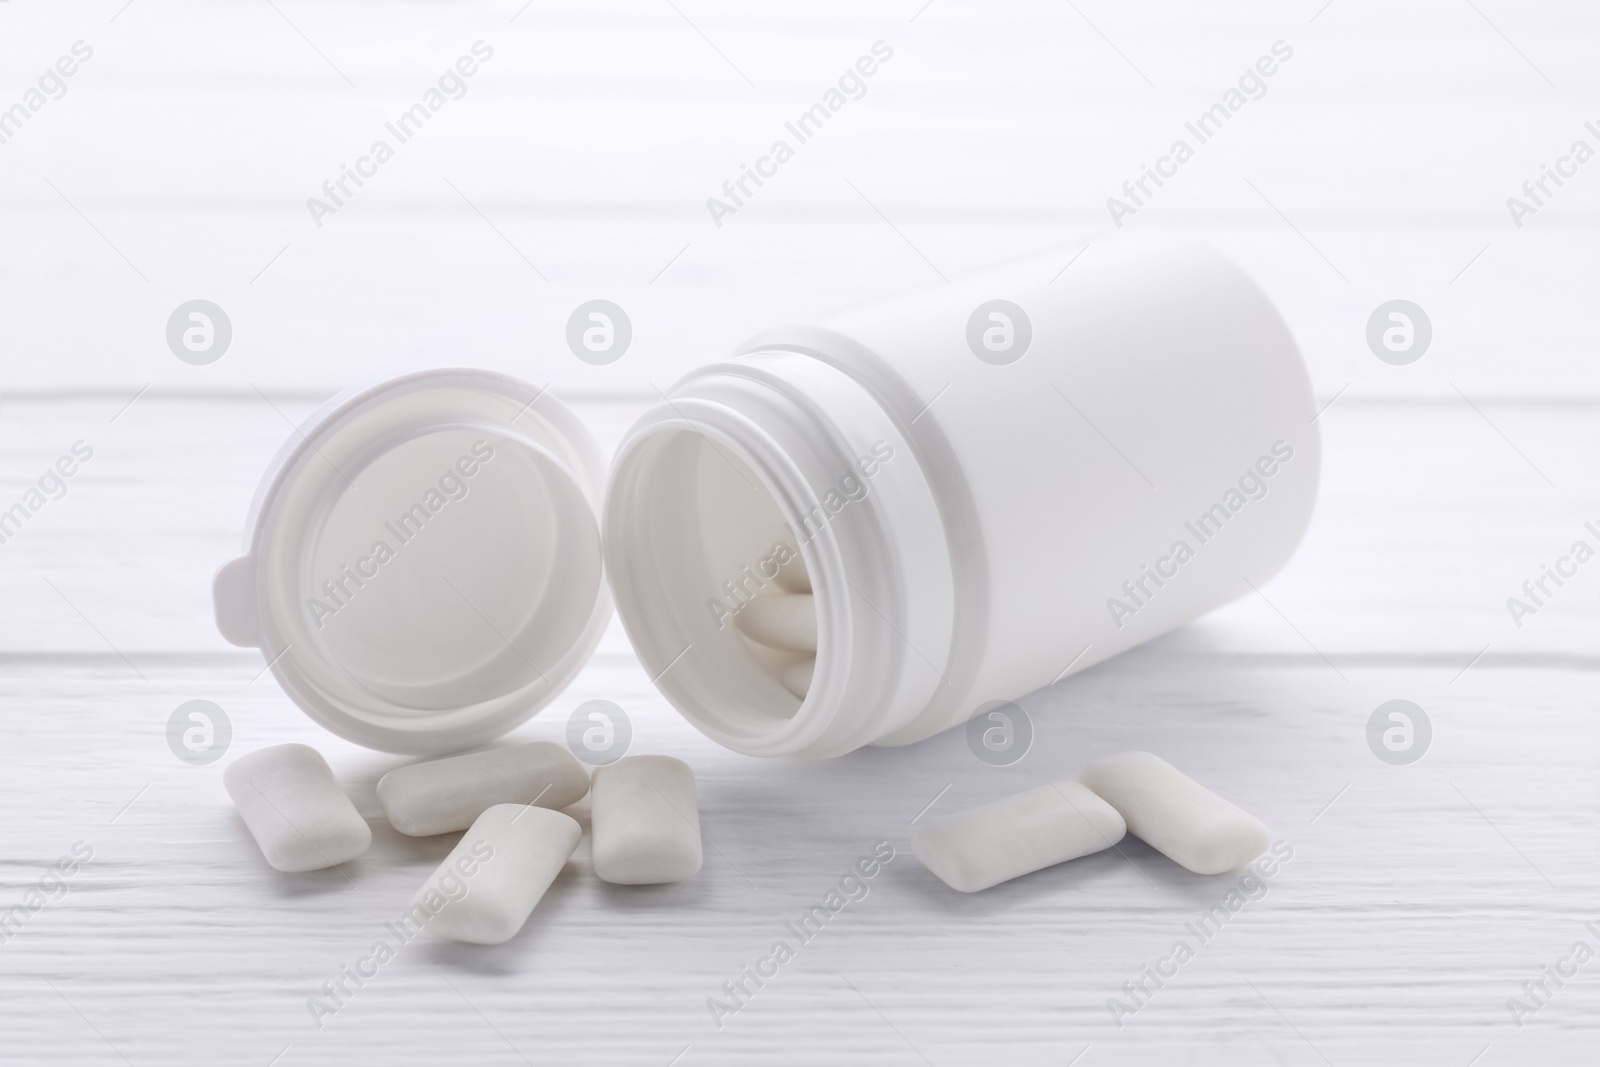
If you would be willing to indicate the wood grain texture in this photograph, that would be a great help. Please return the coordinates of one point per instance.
(579, 162)
(1418, 898)
(1417, 901)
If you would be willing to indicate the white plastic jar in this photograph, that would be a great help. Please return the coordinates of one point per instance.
(973, 522)
(984, 487)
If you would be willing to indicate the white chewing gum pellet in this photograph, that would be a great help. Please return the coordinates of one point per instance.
(1016, 836)
(644, 821)
(487, 887)
(793, 576)
(781, 620)
(797, 676)
(448, 794)
(1176, 815)
(295, 809)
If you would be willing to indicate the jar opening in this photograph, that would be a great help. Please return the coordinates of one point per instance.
(707, 550)
(768, 509)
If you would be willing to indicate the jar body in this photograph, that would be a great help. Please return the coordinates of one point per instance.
(1149, 455)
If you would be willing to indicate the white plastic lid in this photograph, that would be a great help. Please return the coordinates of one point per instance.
(422, 562)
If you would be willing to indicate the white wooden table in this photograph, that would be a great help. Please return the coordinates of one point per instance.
(1419, 898)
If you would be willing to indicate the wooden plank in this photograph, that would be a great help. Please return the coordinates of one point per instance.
(586, 149)
(1417, 899)
(1431, 516)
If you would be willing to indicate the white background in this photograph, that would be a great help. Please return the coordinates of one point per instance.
(178, 164)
